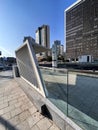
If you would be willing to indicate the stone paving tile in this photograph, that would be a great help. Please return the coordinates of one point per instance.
(54, 127)
(23, 126)
(1, 111)
(5, 100)
(32, 110)
(24, 107)
(2, 127)
(9, 108)
(36, 117)
(30, 104)
(35, 127)
(3, 105)
(10, 98)
(18, 104)
(13, 102)
(1, 95)
(6, 116)
(44, 124)
(17, 112)
(14, 121)
(24, 115)
(1, 102)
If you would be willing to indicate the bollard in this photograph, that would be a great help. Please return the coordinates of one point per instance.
(15, 71)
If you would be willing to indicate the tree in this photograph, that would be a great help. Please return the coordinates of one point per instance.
(49, 58)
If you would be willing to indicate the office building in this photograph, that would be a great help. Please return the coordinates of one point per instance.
(60, 48)
(57, 43)
(43, 37)
(82, 31)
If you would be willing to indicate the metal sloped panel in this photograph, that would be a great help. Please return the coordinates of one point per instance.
(28, 66)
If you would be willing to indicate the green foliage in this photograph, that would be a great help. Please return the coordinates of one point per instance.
(49, 58)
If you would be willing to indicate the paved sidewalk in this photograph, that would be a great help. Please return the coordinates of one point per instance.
(17, 112)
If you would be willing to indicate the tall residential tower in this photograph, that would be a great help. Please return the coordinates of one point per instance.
(43, 36)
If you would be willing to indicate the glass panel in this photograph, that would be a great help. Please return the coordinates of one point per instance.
(56, 84)
(75, 94)
(83, 99)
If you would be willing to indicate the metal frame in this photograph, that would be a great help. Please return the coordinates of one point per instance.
(29, 45)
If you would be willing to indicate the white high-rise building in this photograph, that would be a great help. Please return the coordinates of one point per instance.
(43, 37)
(37, 40)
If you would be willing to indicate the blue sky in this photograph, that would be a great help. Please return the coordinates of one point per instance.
(19, 18)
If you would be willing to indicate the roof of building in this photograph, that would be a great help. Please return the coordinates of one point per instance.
(74, 5)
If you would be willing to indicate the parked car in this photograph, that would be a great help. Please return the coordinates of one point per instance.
(1, 66)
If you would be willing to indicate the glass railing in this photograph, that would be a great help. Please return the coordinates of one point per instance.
(75, 94)
(56, 84)
(83, 99)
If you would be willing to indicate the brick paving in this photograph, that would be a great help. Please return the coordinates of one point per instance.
(17, 112)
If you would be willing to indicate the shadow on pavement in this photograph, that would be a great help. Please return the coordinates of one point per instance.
(7, 124)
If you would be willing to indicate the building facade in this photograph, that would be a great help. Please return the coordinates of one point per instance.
(62, 50)
(60, 47)
(82, 30)
(42, 37)
(57, 43)
(0, 53)
(38, 36)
